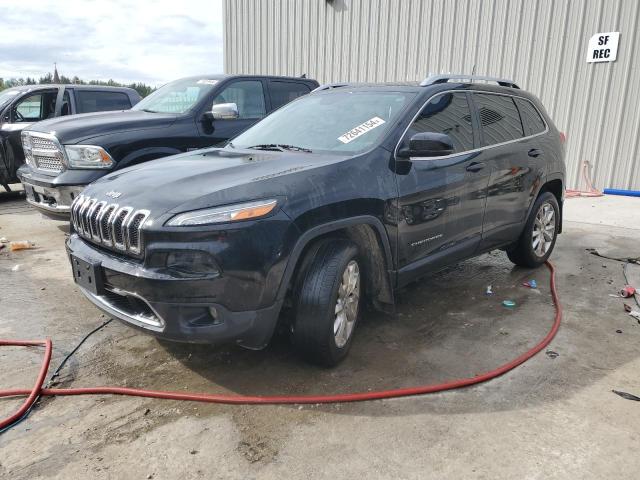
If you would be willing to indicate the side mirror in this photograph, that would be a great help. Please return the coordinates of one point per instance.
(224, 111)
(428, 144)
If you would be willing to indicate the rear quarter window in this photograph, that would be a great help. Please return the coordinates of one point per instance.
(531, 119)
(284, 92)
(499, 118)
(94, 101)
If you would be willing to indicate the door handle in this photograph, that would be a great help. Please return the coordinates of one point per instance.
(534, 152)
(475, 166)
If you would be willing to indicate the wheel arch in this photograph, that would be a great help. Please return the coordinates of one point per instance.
(555, 185)
(147, 154)
(370, 236)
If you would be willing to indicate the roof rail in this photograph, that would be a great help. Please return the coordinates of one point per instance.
(433, 79)
(329, 86)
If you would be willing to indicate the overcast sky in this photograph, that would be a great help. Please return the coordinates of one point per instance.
(126, 40)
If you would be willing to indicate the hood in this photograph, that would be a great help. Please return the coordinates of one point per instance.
(79, 128)
(204, 179)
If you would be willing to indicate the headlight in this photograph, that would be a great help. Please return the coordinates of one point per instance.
(228, 213)
(27, 146)
(88, 156)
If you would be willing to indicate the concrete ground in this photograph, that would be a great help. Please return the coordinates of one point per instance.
(553, 417)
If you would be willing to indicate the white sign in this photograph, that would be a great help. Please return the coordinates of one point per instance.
(603, 47)
(361, 129)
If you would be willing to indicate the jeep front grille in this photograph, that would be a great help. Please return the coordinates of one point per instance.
(43, 152)
(109, 224)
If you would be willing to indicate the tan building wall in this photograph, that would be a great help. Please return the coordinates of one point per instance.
(541, 44)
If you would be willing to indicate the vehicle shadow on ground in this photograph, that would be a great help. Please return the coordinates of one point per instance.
(446, 328)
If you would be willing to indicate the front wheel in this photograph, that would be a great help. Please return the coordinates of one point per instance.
(536, 243)
(328, 303)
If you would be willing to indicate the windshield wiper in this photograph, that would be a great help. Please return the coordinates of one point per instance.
(148, 111)
(279, 147)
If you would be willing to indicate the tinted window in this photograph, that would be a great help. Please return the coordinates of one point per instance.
(447, 113)
(531, 119)
(284, 92)
(248, 95)
(89, 101)
(499, 118)
(36, 107)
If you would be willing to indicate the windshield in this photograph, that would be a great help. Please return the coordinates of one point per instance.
(176, 97)
(7, 95)
(338, 122)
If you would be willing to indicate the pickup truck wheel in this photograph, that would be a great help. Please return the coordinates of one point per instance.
(328, 303)
(540, 232)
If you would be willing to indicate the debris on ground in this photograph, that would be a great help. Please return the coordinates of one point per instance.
(509, 303)
(635, 314)
(595, 252)
(489, 290)
(618, 331)
(15, 268)
(552, 354)
(530, 284)
(628, 291)
(4, 240)
(22, 245)
(627, 396)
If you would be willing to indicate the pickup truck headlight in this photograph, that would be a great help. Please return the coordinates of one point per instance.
(87, 156)
(226, 214)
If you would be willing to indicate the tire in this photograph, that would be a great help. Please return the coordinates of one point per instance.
(332, 280)
(536, 242)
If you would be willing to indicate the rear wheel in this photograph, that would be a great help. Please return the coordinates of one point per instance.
(536, 242)
(328, 303)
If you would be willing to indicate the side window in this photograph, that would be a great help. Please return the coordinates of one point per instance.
(531, 119)
(248, 95)
(36, 107)
(95, 101)
(499, 118)
(66, 104)
(284, 92)
(447, 113)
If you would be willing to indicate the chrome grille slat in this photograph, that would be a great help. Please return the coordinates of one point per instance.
(116, 227)
(43, 152)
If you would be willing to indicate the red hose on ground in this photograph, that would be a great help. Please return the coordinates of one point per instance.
(278, 399)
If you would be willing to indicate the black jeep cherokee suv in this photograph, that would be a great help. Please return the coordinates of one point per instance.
(64, 155)
(344, 194)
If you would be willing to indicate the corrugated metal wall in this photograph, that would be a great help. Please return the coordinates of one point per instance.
(541, 44)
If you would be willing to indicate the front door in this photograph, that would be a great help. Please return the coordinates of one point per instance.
(31, 108)
(249, 97)
(441, 199)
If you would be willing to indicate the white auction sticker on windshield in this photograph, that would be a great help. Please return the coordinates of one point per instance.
(208, 82)
(361, 129)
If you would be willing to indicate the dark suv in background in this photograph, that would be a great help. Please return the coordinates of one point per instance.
(348, 193)
(64, 155)
(20, 107)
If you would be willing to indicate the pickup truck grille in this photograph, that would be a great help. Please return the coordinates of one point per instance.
(109, 224)
(43, 152)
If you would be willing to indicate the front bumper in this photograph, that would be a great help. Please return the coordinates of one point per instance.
(53, 195)
(172, 308)
(53, 201)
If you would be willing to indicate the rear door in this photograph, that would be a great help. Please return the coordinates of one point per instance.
(441, 199)
(249, 96)
(514, 173)
(284, 91)
(88, 101)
